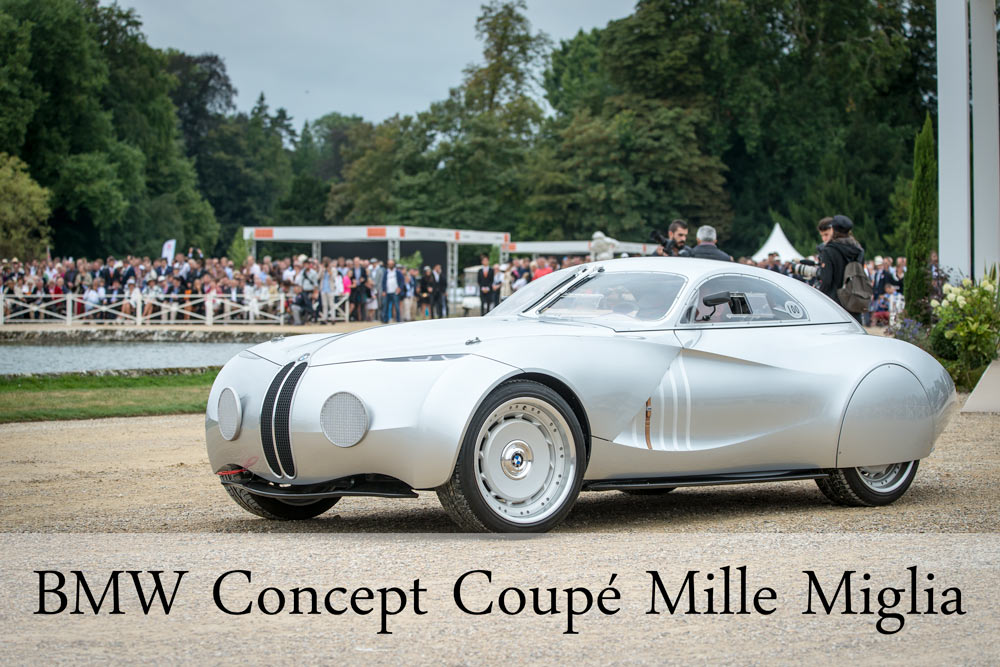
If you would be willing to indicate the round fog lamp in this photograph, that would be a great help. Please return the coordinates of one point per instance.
(230, 414)
(344, 419)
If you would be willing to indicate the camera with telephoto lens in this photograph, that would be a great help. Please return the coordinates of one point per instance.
(806, 268)
(669, 245)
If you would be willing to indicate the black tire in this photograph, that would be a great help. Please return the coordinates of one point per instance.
(462, 497)
(649, 492)
(275, 509)
(851, 487)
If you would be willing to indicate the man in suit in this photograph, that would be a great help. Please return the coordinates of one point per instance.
(883, 277)
(390, 288)
(439, 292)
(485, 279)
(359, 295)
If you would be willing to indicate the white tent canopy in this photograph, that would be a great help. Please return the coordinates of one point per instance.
(777, 242)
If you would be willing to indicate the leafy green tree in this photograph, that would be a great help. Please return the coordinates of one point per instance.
(922, 236)
(576, 77)
(511, 52)
(203, 95)
(624, 173)
(332, 135)
(899, 216)
(20, 96)
(104, 141)
(24, 210)
(245, 170)
(159, 183)
(459, 163)
(830, 193)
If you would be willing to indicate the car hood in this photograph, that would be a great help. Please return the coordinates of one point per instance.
(467, 335)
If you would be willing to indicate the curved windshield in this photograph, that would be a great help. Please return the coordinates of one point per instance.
(532, 292)
(623, 301)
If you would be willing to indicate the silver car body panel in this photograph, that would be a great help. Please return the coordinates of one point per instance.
(815, 392)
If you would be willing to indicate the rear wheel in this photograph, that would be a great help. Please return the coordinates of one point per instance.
(868, 486)
(521, 464)
(281, 510)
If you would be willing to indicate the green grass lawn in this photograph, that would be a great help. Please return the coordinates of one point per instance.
(76, 396)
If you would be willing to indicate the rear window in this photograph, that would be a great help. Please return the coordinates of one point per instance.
(750, 300)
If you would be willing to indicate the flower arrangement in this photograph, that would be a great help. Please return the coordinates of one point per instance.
(966, 333)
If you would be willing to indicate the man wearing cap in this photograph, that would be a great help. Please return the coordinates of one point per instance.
(841, 250)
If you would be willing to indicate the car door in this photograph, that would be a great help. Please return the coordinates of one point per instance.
(741, 394)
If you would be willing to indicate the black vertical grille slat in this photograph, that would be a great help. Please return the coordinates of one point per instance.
(266, 421)
(282, 418)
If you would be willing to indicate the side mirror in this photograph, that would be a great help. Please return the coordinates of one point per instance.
(717, 299)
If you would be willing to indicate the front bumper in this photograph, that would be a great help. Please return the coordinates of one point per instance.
(418, 413)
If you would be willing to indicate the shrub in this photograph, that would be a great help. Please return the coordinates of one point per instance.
(912, 332)
(967, 331)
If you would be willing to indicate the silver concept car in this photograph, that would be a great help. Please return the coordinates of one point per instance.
(639, 375)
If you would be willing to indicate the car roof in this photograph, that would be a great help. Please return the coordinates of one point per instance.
(820, 307)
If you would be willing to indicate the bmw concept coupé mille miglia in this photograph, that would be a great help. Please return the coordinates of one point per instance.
(639, 375)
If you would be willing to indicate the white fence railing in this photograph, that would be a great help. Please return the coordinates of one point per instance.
(205, 309)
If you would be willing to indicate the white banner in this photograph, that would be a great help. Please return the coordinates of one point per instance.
(168, 249)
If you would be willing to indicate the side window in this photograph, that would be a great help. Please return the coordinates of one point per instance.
(734, 299)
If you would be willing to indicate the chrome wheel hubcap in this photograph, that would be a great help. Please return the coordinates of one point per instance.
(884, 478)
(525, 460)
(515, 461)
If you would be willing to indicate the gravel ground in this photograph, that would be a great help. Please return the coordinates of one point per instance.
(151, 474)
(137, 494)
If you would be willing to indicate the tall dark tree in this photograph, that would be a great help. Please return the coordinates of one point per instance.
(203, 94)
(922, 236)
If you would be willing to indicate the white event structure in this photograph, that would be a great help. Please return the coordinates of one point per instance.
(969, 199)
(779, 243)
(562, 248)
(392, 235)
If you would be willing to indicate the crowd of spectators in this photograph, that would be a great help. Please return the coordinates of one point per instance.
(301, 289)
(886, 276)
(296, 289)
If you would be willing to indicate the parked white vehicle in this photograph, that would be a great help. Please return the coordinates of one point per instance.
(640, 375)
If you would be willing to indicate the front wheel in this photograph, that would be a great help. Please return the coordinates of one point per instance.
(521, 464)
(868, 486)
(274, 508)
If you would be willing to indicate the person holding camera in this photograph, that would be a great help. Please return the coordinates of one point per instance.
(672, 245)
(840, 271)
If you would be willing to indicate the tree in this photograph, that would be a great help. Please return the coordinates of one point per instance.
(635, 168)
(576, 77)
(24, 211)
(831, 192)
(922, 238)
(510, 50)
(19, 94)
(203, 94)
(245, 170)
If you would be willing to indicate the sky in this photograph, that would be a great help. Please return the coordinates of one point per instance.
(372, 58)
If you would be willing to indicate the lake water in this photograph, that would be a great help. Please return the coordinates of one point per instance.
(18, 359)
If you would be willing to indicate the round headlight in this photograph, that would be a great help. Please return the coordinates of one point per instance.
(230, 414)
(344, 419)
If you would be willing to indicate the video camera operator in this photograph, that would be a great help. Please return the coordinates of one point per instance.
(840, 271)
(672, 245)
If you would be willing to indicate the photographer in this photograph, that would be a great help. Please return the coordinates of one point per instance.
(672, 245)
(840, 271)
